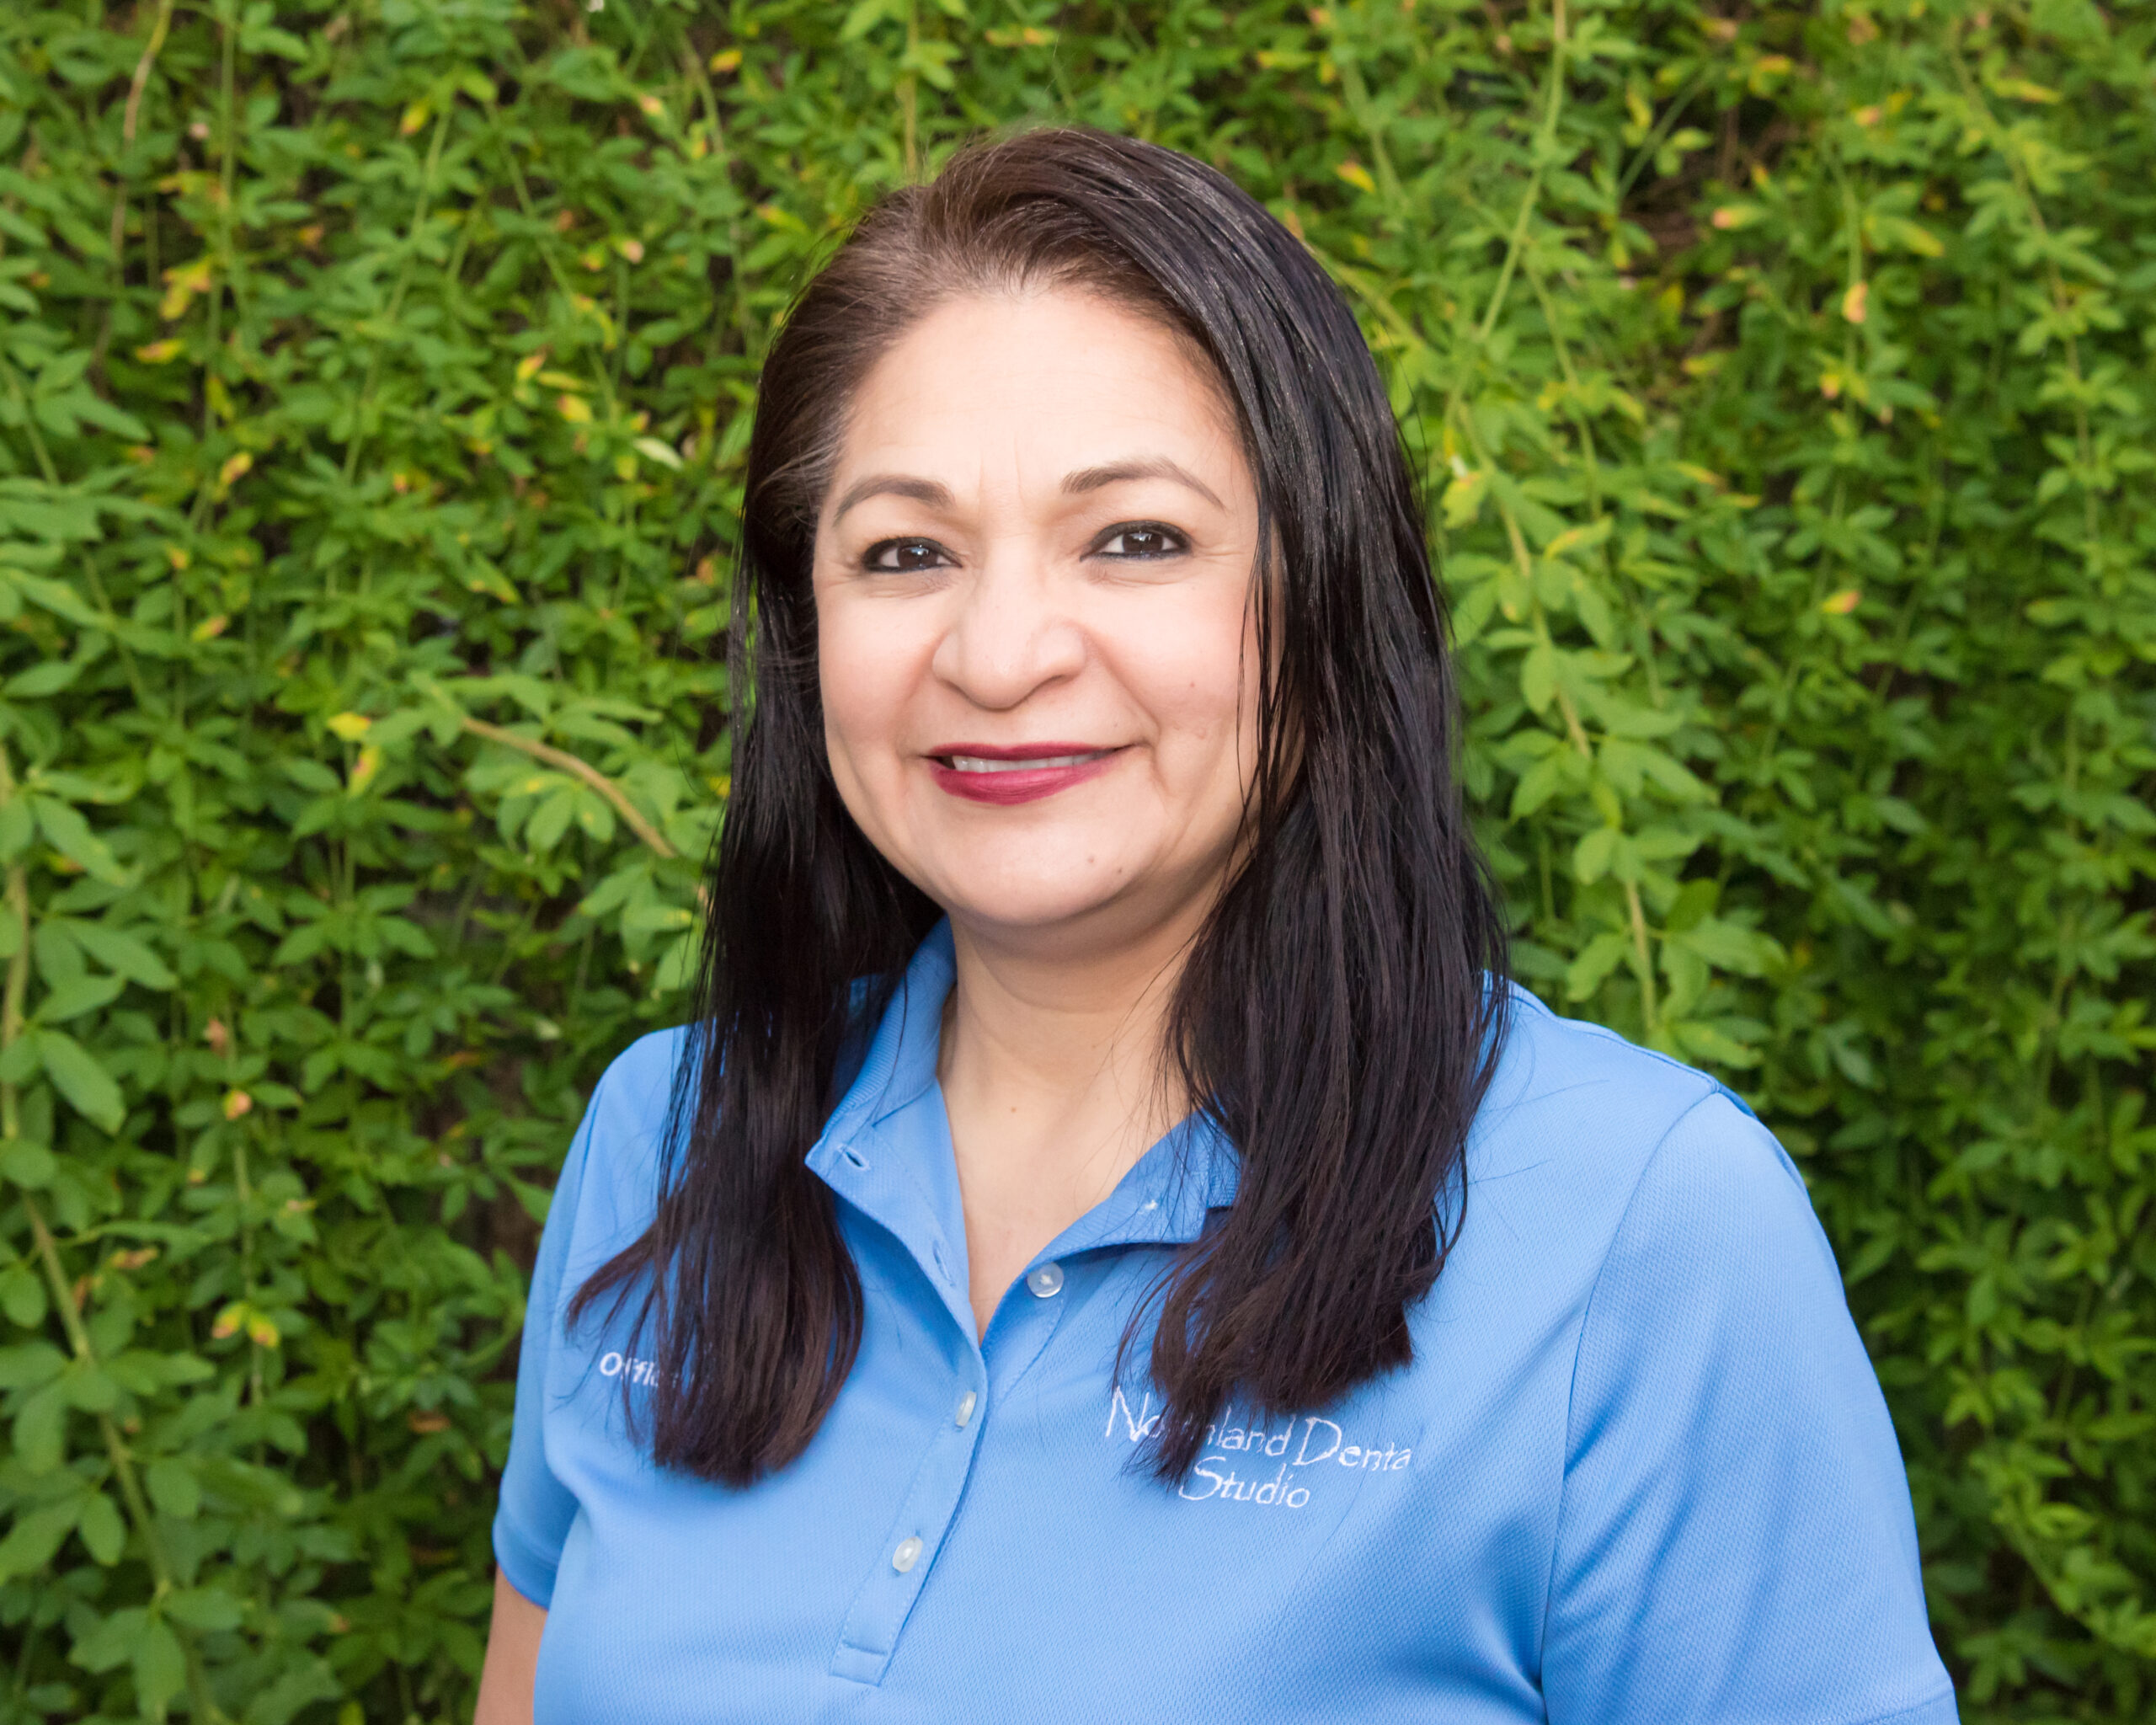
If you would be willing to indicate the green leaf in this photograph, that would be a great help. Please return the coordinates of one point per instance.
(91, 1389)
(1545, 779)
(26, 1367)
(42, 680)
(1595, 961)
(18, 1060)
(27, 1164)
(1464, 495)
(115, 419)
(17, 827)
(160, 1668)
(1696, 901)
(41, 1426)
(57, 597)
(104, 1534)
(1728, 946)
(173, 1488)
(31, 1366)
(127, 953)
(87, 1086)
(36, 1536)
(1706, 1042)
(145, 1373)
(113, 1642)
(22, 1296)
(70, 834)
(75, 997)
(209, 1609)
(1537, 677)
(551, 819)
(864, 16)
(677, 964)
(1595, 853)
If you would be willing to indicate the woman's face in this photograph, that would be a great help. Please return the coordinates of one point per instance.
(1035, 633)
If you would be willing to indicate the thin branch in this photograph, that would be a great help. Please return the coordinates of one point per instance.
(62, 1296)
(581, 769)
(134, 89)
(1524, 560)
(1544, 141)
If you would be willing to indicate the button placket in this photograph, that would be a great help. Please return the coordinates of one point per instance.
(1022, 1328)
(878, 1614)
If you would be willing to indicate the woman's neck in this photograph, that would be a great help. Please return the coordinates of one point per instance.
(1055, 1083)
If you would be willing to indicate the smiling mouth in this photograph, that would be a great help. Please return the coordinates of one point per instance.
(1032, 763)
(982, 773)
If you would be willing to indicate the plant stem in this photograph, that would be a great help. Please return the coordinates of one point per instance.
(134, 113)
(1545, 140)
(62, 1295)
(1654, 139)
(1524, 560)
(397, 292)
(736, 278)
(1642, 957)
(583, 770)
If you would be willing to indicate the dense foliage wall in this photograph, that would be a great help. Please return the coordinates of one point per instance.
(374, 380)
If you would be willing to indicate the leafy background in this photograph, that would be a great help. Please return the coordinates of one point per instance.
(374, 381)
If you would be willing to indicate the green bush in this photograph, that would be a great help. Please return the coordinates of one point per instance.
(373, 387)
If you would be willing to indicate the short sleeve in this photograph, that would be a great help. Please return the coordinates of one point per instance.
(536, 1508)
(1735, 1542)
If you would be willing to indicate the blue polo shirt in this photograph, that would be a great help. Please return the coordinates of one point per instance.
(1639, 1470)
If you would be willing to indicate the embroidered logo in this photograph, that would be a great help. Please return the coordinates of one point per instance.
(640, 1371)
(1298, 1444)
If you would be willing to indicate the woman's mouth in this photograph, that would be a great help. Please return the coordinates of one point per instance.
(981, 774)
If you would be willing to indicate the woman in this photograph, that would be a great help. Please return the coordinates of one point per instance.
(1106, 1248)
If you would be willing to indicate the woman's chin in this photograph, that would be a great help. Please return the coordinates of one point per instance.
(1038, 909)
(1076, 910)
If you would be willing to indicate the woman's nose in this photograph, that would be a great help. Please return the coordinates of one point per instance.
(1010, 635)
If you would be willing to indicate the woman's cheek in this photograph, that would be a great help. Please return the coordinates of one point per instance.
(1202, 692)
(864, 697)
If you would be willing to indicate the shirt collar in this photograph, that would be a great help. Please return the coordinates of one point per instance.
(1166, 1197)
(887, 1147)
(900, 1063)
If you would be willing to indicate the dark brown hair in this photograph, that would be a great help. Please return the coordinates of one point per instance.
(1339, 1014)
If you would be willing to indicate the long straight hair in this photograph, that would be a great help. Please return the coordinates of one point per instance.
(1339, 1014)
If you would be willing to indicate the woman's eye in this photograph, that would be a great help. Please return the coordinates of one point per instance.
(1141, 540)
(904, 556)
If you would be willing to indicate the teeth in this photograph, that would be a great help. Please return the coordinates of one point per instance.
(975, 763)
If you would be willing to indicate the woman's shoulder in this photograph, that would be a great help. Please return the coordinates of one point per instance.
(1548, 1062)
(629, 1102)
(610, 1180)
(1579, 1124)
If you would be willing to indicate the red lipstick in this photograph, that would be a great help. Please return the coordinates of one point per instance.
(983, 772)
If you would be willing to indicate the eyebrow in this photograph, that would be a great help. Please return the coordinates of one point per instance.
(926, 491)
(935, 496)
(1156, 467)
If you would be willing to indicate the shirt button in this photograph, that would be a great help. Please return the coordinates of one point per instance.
(964, 1411)
(907, 1555)
(1046, 1281)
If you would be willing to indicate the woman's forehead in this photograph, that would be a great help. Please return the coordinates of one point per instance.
(1059, 383)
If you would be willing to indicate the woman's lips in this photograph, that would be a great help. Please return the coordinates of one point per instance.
(982, 774)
